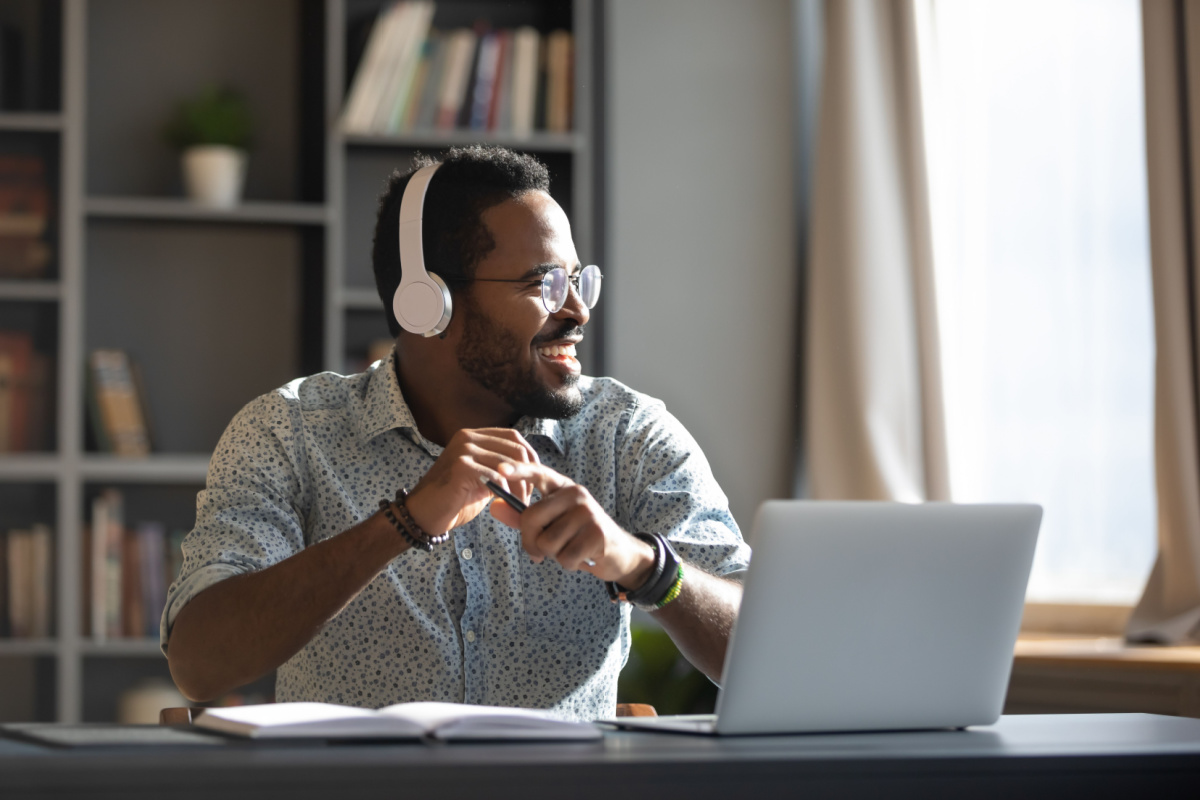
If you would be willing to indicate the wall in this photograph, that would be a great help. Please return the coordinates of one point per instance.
(701, 227)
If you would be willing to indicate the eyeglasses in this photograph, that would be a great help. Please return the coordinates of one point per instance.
(556, 283)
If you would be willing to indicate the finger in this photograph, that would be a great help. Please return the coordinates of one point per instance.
(553, 505)
(516, 451)
(583, 549)
(510, 436)
(550, 540)
(468, 474)
(541, 477)
(511, 444)
(505, 513)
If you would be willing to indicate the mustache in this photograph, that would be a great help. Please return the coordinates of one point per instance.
(569, 330)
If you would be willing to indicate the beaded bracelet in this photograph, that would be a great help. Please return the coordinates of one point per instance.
(675, 589)
(402, 505)
(385, 506)
(413, 533)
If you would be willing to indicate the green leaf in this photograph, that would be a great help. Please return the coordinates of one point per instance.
(218, 115)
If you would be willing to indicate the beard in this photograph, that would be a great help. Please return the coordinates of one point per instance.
(487, 353)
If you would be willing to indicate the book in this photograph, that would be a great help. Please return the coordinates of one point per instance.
(524, 80)
(24, 216)
(485, 81)
(20, 582)
(403, 67)
(151, 540)
(28, 580)
(5, 629)
(500, 114)
(466, 103)
(444, 721)
(426, 114)
(120, 418)
(457, 74)
(105, 568)
(23, 257)
(42, 589)
(133, 608)
(559, 49)
(17, 374)
(420, 85)
(539, 95)
(8, 383)
(367, 85)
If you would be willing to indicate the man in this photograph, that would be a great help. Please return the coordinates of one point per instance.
(301, 561)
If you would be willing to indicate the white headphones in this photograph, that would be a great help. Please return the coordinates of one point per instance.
(422, 301)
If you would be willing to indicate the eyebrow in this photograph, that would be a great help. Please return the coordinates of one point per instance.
(542, 269)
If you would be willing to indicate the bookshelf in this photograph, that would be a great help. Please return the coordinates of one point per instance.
(216, 306)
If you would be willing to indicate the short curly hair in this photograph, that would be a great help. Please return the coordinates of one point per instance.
(470, 181)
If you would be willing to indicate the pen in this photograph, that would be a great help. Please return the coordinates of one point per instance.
(507, 497)
(518, 506)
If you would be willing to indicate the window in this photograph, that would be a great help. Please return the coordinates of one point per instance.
(1035, 131)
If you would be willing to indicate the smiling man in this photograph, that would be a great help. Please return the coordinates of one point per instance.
(347, 538)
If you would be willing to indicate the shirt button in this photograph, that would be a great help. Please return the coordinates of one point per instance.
(467, 553)
(470, 636)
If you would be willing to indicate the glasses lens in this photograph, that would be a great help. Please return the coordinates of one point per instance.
(589, 285)
(554, 289)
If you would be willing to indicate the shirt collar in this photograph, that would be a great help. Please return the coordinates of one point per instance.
(385, 409)
(550, 429)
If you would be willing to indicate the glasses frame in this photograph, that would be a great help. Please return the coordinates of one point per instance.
(546, 280)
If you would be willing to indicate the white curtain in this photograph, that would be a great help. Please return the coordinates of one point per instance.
(1169, 610)
(873, 425)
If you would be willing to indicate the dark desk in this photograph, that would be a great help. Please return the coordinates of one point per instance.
(1127, 755)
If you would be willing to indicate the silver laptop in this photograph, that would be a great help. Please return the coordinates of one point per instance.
(873, 616)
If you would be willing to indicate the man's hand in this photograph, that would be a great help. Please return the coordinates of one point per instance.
(453, 493)
(568, 525)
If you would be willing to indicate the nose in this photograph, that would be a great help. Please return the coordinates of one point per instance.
(573, 307)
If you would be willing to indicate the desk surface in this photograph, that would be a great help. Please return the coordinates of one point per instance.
(1035, 755)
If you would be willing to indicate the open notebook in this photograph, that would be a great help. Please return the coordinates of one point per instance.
(445, 721)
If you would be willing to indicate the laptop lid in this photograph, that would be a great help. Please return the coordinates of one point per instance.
(877, 616)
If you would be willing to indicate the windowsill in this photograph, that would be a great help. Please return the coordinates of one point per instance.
(1081, 651)
(1074, 619)
(1059, 673)
(1074, 659)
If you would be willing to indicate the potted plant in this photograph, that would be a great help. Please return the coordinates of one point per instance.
(212, 130)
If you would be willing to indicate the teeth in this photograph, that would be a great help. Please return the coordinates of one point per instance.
(558, 350)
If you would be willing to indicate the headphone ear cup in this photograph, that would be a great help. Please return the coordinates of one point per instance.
(423, 306)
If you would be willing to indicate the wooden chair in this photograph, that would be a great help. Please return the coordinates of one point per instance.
(186, 715)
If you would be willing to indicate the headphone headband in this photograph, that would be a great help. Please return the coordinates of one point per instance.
(422, 300)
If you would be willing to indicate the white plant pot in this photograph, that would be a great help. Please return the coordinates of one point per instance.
(214, 175)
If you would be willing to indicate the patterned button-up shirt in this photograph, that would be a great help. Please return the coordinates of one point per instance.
(476, 620)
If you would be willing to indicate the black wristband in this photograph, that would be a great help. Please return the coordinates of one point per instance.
(666, 571)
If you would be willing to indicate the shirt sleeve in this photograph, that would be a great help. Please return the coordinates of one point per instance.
(671, 491)
(250, 514)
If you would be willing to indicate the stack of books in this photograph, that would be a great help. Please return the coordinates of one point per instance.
(24, 216)
(26, 582)
(412, 77)
(127, 571)
(25, 407)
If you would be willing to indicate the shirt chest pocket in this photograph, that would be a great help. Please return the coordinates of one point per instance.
(566, 606)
